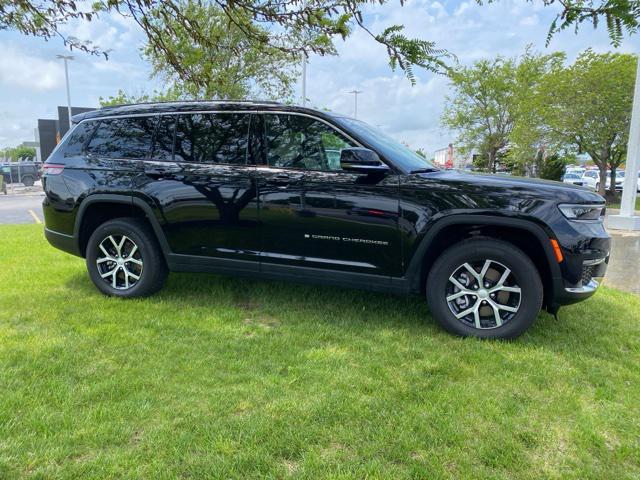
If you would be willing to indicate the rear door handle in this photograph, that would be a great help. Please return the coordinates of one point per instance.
(282, 181)
(154, 173)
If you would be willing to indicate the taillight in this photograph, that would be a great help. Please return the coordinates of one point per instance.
(52, 168)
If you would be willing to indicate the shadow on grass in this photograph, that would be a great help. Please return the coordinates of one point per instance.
(580, 328)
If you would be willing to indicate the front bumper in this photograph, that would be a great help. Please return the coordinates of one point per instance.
(586, 275)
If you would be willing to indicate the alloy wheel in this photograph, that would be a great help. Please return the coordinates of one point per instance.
(483, 294)
(119, 262)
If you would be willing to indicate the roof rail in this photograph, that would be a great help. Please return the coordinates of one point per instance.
(257, 102)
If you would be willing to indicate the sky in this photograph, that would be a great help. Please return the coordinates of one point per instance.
(32, 80)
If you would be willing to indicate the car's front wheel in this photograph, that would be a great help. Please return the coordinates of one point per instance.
(484, 288)
(28, 181)
(124, 259)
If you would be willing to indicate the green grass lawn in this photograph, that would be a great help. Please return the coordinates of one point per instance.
(616, 204)
(227, 378)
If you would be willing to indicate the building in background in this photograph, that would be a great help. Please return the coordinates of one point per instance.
(49, 131)
(452, 157)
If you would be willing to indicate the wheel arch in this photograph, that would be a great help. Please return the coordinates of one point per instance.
(99, 208)
(530, 237)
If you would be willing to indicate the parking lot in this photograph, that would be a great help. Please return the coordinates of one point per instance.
(21, 208)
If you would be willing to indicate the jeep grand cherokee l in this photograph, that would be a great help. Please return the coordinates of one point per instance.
(281, 192)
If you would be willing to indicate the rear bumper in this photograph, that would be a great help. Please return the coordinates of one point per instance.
(66, 243)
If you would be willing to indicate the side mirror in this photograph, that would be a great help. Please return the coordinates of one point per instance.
(361, 160)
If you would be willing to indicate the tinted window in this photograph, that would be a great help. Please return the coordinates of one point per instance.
(163, 139)
(296, 141)
(77, 138)
(123, 137)
(212, 138)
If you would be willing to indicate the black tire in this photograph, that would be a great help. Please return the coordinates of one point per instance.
(523, 275)
(28, 181)
(152, 269)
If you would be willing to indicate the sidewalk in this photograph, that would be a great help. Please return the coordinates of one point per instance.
(623, 271)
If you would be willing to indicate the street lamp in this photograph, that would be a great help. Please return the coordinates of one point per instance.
(627, 219)
(66, 58)
(355, 97)
(304, 79)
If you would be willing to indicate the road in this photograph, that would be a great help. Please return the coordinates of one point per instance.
(623, 271)
(24, 208)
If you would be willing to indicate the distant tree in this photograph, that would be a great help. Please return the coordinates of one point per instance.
(586, 108)
(17, 153)
(552, 167)
(422, 152)
(123, 98)
(233, 68)
(485, 103)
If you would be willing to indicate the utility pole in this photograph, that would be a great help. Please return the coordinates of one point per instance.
(304, 79)
(627, 219)
(355, 98)
(66, 58)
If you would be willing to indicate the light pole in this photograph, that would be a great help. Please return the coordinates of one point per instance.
(66, 58)
(627, 219)
(304, 79)
(355, 98)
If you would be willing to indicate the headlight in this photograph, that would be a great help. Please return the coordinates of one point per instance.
(585, 213)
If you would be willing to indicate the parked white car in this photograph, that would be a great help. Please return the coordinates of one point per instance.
(573, 178)
(591, 179)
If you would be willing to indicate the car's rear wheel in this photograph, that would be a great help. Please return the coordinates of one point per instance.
(124, 259)
(484, 288)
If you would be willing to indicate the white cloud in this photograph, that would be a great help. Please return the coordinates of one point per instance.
(111, 32)
(470, 31)
(33, 83)
(28, 72)
(529, 21)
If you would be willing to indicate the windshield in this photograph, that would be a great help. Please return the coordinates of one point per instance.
(571, 175)
(399, 154)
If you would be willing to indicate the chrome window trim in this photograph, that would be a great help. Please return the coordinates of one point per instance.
(248, 112)
(263, 112)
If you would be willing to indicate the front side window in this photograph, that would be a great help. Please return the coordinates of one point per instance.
(128, 138)
(212, 138)
(387, 147)
(296, 141)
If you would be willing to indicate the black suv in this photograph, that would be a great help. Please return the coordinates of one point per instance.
(273, 191)
(20, 172)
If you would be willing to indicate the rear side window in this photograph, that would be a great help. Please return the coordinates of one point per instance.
(123, 138)
(212, 138)
(78, 138)
(163, 140)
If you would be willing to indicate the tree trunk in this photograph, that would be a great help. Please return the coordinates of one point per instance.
(492, 160)
(603, 178)
(612, 185)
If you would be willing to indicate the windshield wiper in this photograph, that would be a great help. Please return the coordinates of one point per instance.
(425, 170)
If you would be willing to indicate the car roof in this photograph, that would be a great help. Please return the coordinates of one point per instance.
(196, 106)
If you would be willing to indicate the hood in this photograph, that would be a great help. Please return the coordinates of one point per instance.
(510, 185)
